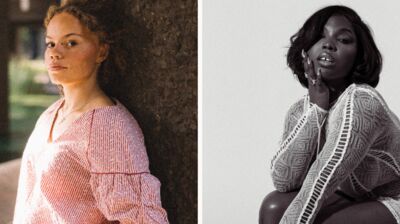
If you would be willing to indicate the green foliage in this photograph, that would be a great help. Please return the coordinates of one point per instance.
(23, 75)
(27, 101)
(24, 112)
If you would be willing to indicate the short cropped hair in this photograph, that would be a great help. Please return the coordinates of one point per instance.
(368, 62)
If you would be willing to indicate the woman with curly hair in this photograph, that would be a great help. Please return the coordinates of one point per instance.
(339, 158)
(85, 161)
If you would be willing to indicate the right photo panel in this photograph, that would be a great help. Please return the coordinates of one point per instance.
(300, 112)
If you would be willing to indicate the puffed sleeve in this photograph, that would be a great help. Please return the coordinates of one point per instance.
(353, 128)
(129, 198)
(121, 182)
(298, 145)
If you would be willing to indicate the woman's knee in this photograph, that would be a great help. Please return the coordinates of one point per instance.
(369, 212)
(274, 205)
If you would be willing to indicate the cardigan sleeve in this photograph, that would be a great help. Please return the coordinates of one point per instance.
(121, 182)
(129, 198)
(353, 129)
(298, 145)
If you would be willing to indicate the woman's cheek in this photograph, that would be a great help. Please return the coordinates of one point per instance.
(87, 54)
(313, 52)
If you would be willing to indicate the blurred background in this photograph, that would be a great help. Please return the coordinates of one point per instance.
(25, 88)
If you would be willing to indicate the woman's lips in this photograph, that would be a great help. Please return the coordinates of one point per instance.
(326, 60)
(56, 68)
(326, 64)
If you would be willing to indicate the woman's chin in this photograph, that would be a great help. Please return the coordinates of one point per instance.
(57, 78)
(56, 81)
(331, 76)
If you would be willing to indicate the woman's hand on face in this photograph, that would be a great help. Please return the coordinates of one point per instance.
(317, 89)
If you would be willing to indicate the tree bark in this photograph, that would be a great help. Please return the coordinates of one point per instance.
(162, 95)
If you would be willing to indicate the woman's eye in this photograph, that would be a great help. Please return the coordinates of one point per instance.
(344, 40)
(71, 43)
(50, 45)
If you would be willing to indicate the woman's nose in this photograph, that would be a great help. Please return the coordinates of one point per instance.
(55, 53)
(328, 45)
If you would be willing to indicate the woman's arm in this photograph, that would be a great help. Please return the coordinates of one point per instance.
(120, 178)
(299, 143)
(129, 198)
(355, 126)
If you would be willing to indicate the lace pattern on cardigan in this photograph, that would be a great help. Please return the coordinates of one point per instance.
(327, 171)
(300, 124)
(356, 184)
(385, 158)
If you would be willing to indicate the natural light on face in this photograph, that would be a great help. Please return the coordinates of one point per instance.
(72, 51)
(336, 51)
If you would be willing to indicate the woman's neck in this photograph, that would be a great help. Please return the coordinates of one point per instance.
(336, 89)
(81, 96)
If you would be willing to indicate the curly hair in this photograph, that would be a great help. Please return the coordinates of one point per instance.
(368, 63)
(111, 22)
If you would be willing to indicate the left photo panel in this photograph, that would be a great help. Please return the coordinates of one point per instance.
(98, 111)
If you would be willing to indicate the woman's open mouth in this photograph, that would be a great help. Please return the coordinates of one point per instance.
(326, 60)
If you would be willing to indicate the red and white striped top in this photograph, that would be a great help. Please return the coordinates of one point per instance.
(97, 171)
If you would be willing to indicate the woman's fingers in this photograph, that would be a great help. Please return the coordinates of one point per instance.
(321, 82)
(311, 69)
(308, 68)
(319, 77)
(303, 53)
(311, 76)
(318, 91)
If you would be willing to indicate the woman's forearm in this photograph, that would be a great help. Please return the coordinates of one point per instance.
(290, 165)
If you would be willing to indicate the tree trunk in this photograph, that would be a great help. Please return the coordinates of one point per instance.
(162, 95)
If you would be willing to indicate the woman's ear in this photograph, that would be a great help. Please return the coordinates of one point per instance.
(103, 53)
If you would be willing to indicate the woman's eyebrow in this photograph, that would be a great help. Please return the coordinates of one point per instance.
(342, 30)
(67, 35)
(345, 30)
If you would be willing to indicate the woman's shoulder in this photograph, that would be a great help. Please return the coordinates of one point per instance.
(115, 120)
(359, 89)
(357, 92)
(50, 110)
(116, 141)
(362, 92)
(53, 107)
(362, 88)
(362, 96)
(300, 104)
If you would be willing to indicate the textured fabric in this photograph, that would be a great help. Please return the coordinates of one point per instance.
(353, 147)
(393, 204)
(97, 171)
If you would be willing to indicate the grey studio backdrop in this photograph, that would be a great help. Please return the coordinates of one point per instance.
(247, 89)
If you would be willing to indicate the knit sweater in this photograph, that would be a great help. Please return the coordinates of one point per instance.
(95, 172)
(359, 152)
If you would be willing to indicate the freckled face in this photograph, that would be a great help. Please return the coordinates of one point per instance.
(73, 52)
(336, 51)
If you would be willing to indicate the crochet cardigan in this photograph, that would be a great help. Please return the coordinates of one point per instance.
(95, 172)
(360, 156)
